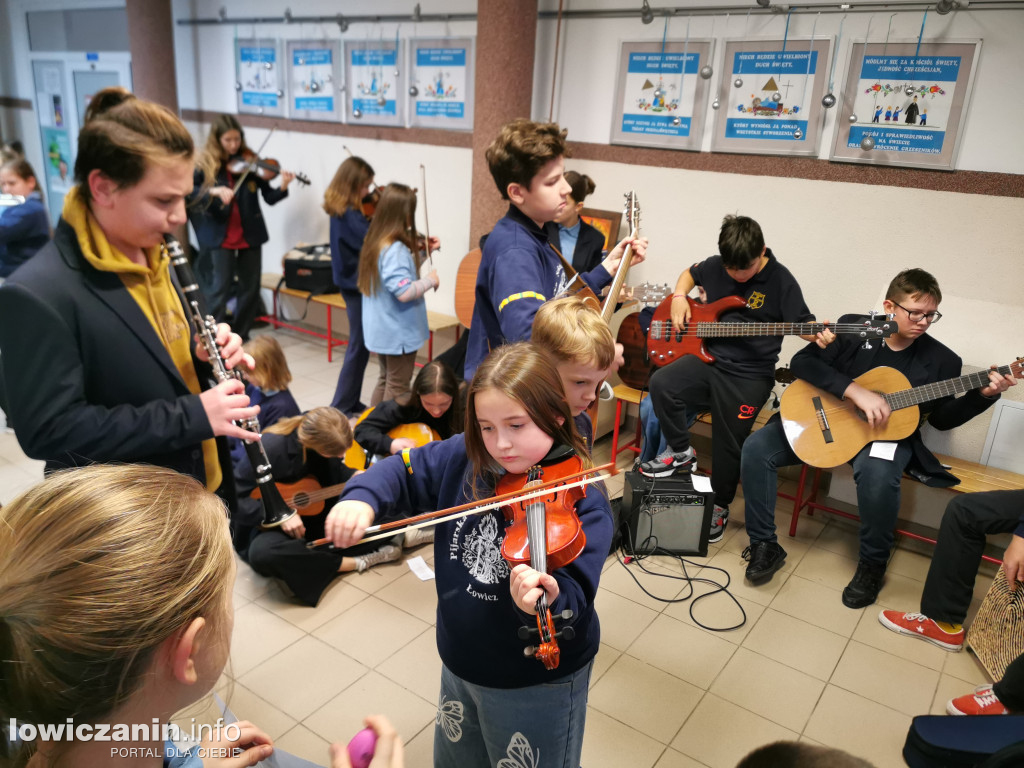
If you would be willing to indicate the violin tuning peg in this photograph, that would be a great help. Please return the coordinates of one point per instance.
(566, 614)
(530, 651)
(567, 633)
(525, 633)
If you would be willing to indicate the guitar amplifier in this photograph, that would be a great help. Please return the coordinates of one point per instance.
(667, 513)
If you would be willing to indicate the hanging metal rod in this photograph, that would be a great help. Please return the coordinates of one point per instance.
(863, 6)
(341, 20)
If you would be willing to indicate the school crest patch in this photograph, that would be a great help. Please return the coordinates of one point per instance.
(481, 552)
(756, 300)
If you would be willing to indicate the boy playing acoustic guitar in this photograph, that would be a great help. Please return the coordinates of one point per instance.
(913, 297)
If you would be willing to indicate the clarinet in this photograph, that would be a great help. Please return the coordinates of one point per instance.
(275, 510)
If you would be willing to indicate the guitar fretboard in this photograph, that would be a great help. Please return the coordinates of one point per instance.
(663, 329)
(926, 392)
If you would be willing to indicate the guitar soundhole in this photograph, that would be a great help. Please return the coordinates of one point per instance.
(300, 499)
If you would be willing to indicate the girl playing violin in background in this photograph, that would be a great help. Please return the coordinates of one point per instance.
(229, 225)
(343, 202)
(309, 445)
(394, 310)
(494, 701)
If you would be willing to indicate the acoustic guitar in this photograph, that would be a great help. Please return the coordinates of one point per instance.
(356, 456)
(825, 431)
(665, 344)
(636, 368)
(465, 286)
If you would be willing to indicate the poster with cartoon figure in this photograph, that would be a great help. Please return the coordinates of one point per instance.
(374, 83)
(769, 96)
(314, 79)
(441, 83)
(258, 79)
(661, 95)
(904, 103)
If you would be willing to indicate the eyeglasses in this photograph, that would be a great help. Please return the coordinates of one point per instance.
(916, 315)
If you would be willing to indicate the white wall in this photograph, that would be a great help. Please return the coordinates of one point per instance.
(843, 241)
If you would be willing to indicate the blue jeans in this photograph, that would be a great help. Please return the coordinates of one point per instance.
(878, 489)
(350, 380)
(478, 726)
(216, 275)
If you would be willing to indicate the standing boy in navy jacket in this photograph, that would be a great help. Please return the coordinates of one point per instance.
(520, 269)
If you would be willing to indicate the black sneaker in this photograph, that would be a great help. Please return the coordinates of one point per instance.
(668, 464)
(719, 519)
(865, 586)
(765, 558)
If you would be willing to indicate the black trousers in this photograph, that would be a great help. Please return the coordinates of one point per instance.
(950, 583)
(307, 572)
(734, 403)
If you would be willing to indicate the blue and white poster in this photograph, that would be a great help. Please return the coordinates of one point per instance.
(373, 77)
(770, 96)
(661, 94)
(441, 83)
(904, 103)
(314, 82)
(259, 81)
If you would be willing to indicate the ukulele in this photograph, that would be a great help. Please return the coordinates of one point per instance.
(825, 431)
(306, 496)
(666, 345)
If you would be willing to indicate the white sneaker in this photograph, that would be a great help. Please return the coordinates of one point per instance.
(385, 554)
(416, 536)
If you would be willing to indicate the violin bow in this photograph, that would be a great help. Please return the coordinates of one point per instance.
(252, 163)
(387, 530)
(426, 216)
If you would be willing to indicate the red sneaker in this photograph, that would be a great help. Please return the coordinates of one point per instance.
(981, 702)
(919, 625)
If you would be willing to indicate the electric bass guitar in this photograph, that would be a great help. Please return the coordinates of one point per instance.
(824, 431)
(665, 344)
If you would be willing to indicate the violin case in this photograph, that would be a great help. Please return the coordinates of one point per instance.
(967, 741)
(308, 268)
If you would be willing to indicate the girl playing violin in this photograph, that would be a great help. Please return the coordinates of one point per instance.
(309, 445)
(494, 701)
(229, 224)
(343, 202)
(394, 310)
(134, 623)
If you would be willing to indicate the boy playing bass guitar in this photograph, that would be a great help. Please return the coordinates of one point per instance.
(913, 297)
(736, 386)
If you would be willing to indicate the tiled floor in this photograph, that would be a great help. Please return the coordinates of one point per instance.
(664, 692)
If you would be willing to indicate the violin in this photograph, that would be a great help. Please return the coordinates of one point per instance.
(545, 533)
(368, 205)
(267, 169)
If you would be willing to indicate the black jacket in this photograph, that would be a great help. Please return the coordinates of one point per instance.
(835, 367)
(209, 216)
(87, 379)
(589, 250)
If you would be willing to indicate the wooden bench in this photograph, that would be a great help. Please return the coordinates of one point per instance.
(436, 321)
(974, 478)
(271, 281)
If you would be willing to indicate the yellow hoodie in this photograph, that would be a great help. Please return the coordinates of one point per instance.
(153, 291)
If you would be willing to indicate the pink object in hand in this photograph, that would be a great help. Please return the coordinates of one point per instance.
(360, 749)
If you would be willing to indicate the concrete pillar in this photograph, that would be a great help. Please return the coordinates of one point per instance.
(151, 38)
(506, 33)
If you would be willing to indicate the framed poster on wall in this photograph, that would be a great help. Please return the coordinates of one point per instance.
(259, 79)
(770, 96)
(314, 79)
(372, 78)
(441, 83)
(905, 104)
(660, 97)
